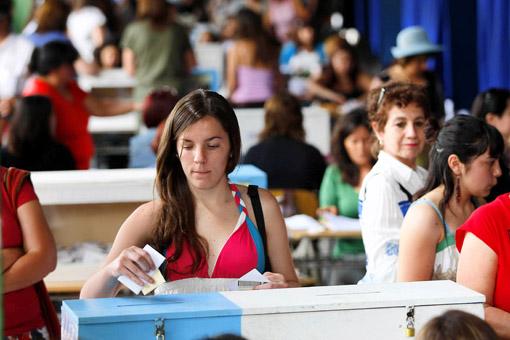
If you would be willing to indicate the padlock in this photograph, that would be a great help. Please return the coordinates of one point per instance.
(409, 332)
(410, 321)
(160, 329)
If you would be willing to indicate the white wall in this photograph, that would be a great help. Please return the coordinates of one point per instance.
(316, 123)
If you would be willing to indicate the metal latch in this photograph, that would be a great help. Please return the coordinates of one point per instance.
(410, 321)
(160, 329)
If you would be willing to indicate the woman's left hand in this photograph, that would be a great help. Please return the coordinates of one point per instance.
(276, 281)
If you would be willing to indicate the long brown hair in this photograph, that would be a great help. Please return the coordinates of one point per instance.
(156, 11)
(343, 129)
(177, 216)
(249, 26)
(283, 117)
(52, 15)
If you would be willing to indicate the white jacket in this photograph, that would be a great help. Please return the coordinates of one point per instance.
(382, 206)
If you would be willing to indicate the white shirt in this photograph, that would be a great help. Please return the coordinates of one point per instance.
(383, 205)
(15, 54)
(80, 25)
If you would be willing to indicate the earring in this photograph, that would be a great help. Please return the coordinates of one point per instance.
(380, 142)
(457, 190)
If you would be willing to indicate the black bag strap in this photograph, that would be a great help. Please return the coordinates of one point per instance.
(253, 192)
(404, 190)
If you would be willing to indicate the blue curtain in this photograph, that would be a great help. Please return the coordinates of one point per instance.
(434, 16)
(493, 44)
(374, 18)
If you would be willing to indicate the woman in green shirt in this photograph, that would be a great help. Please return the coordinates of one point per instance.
(350, 145)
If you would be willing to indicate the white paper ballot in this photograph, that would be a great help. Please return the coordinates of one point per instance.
(341, 223)
(248, 281)
(156, 257)
(303, 222)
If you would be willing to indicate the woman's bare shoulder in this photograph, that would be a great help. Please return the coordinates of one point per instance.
(146, 213)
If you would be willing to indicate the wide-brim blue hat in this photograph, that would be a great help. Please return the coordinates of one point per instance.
(412, 41)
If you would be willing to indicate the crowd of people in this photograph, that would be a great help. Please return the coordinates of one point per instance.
(432, 196)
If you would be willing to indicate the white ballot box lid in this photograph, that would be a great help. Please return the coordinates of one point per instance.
(94, 186)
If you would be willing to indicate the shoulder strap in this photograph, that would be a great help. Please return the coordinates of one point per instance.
(253, 192)
(404, 190)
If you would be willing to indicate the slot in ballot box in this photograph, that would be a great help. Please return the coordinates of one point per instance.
(375, 311)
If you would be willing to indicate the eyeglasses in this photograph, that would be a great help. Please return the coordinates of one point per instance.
(381, 95)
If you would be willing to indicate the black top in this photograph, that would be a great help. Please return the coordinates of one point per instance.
(48, 156)
(288, 163)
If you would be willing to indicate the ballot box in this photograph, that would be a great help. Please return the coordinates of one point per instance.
(375, 311)
(247, 174)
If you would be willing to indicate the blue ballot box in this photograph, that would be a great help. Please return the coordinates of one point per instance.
(375, 311)
(182, 316)
(249, 174)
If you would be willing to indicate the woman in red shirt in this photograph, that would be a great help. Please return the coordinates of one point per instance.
(484, 262)
(53, 64)
(28, 255)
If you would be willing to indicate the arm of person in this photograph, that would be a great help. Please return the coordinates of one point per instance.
(232, 64)
(284, 274)
(109, 107)
(7, 106)
(477, 269)
(189, 60)
(85, 67)
(316, 89)
(98, 35)
(129, 62)
(328, 199)
(40, 251)
(126, 256)
(364, 81)
(11, 255)
(419, 235)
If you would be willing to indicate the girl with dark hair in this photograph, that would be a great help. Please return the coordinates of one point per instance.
(493, 107)
(350, 146)
(463, 166)
(282, 153)
(31, 145)
(398, 113)
(200, 219)
(55, 78)
(252, 62)
(457, 325)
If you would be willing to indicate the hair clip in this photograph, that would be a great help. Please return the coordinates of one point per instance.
(381, 95)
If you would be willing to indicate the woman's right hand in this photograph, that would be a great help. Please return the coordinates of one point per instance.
(331, 209)
(134, 263)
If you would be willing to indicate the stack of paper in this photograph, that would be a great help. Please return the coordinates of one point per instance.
(341, 223)
(304, 222)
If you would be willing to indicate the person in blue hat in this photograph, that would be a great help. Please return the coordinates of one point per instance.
(411, 54)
